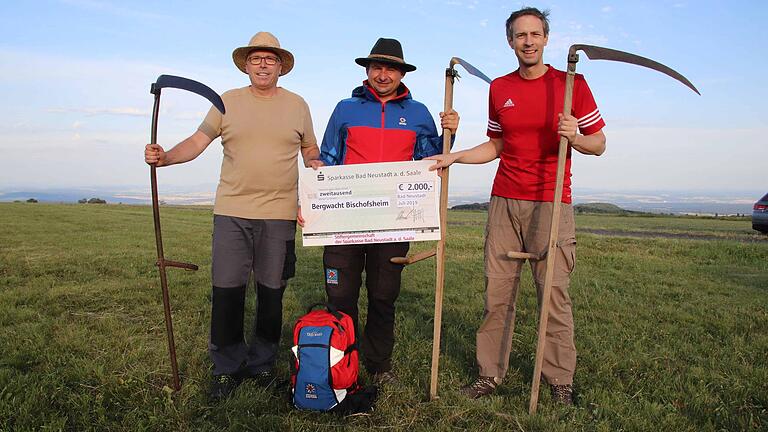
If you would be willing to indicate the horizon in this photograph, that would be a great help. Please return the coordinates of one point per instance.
(669, 201)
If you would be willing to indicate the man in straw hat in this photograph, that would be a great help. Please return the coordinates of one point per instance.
(525, 125)
(379, 123)
(254, 222)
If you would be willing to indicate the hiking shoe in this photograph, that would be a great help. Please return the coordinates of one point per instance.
(384, 378)
(263, 378)
(222, 386)
(482, 386)
(562, 393)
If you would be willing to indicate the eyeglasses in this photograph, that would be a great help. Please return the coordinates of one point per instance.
(269, 60)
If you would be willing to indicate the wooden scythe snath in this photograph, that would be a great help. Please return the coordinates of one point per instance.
(450, 75)
(170, 81)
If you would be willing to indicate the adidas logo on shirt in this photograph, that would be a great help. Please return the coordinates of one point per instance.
(509, 103)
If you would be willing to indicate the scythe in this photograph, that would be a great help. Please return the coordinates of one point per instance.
(450, 75)
(593, 53)
(170, 81)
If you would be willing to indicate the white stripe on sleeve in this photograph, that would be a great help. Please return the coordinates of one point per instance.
(595, 120)
(587, 117)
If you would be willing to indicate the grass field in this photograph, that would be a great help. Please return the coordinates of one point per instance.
(672, 333)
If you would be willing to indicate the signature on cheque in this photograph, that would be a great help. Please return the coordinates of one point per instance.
(417, 215)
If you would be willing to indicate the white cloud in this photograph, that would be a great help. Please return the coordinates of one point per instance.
(471, 5)
(167, 112)
(559, 42)
(127, 111)
(94, 79)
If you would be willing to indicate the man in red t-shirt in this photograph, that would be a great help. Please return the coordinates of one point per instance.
(524, 126)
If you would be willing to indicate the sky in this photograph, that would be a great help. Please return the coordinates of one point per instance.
(75, 78)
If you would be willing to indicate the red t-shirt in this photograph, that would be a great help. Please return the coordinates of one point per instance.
(524, 114)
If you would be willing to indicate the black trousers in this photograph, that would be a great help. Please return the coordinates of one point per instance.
(344, 266)
(263, 248)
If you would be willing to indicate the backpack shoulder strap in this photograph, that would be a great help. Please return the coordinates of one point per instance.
(329, 307)
(350, 348)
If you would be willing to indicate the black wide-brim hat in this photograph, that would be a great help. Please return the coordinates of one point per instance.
(388, 51)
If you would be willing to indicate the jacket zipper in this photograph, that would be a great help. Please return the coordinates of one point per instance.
(381, 131)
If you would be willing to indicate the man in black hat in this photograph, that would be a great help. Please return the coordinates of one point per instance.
(379, 123)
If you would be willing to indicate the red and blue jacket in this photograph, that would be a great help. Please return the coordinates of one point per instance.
(363, 129)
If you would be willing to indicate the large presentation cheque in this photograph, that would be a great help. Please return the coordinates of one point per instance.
(370, 203)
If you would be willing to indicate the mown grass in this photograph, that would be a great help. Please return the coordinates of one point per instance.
(672, 333)
(733, 227)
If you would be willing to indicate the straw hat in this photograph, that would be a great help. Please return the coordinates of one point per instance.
(388, 51)
(265, 41)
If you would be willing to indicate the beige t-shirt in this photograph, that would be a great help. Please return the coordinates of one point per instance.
(261, 138)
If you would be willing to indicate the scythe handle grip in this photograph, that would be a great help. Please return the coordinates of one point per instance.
(413, 258)
(185, 266)
(526, 255)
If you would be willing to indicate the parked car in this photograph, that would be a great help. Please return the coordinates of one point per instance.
(760, 215)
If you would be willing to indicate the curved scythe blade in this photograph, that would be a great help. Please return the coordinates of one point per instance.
(471, 69)
(600, 53)
(165, 81)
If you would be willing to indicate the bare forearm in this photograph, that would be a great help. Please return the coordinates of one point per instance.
(481, 153)
(188, 149)
(310, 153)
(590, 144)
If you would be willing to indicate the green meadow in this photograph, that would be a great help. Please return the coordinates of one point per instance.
(671, 327)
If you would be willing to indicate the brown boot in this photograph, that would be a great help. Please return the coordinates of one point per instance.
(482, 386)
(562, 393)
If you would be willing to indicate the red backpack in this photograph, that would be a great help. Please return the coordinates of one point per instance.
(324, 364)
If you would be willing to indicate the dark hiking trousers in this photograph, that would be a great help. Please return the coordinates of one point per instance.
(344, 266)
(241, 247)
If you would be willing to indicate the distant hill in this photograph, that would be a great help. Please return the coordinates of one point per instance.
(67, 196)
(599, 208)
(473, 206)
